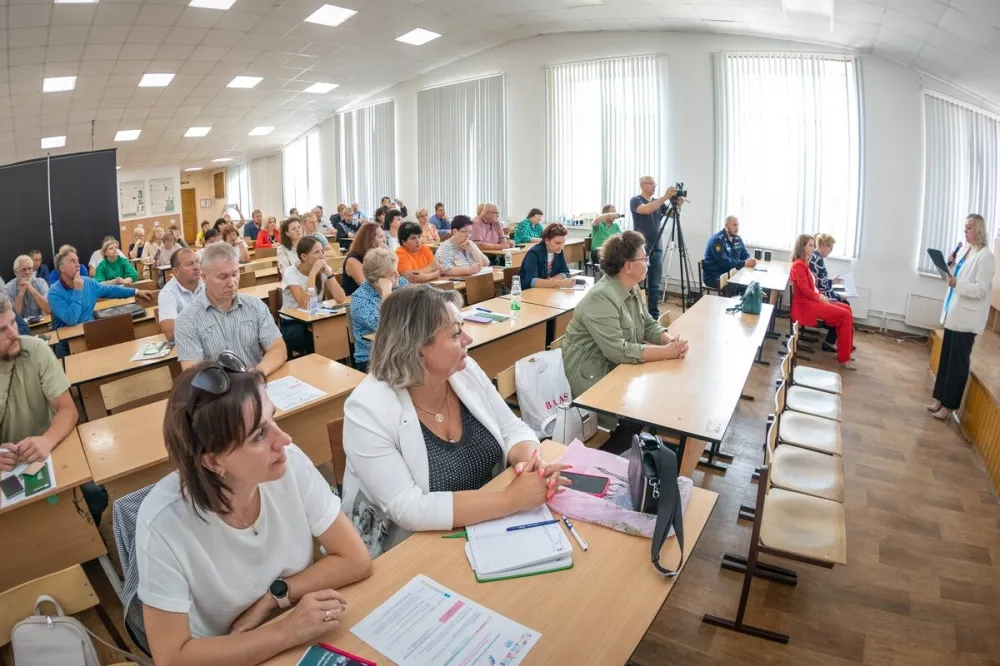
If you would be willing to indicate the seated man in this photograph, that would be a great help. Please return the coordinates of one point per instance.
(253, 226)
(222, 319)
(39, 410)
(724, 252)
(73, 297)
(440, 218)
(41, 270)
(54, 273)
(310, 229)
(211, 236)
(28, 294)
(416, 261)
(344, 224)
(178, 234)
(181, 291)
(488, 233)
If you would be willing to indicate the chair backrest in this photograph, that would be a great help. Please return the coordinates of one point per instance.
(337, 263)
(517, 258)
(136, 390)
(587, 244)
(508, 276)
(701, 285)
(124, 516)
(248, 279)
(770, 442)
(259, 265)
(266, 252)
(106, 332)
(506, 382)
(69, 587)
(557, 343)
(666, 319)
(274, 304)
(723, 280)
(444, 235)
(732, 272)
(786, 367)
(143, 284)
(479, 288)
(335, 432)
(446, 285)
(779, 399)
(153, 301)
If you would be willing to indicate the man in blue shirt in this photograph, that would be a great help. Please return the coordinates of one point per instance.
(41, 270)
(252, 228)
(647, 213)
(724, 252)
(73, 297)
(440, 219)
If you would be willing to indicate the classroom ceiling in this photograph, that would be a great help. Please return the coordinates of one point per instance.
(109, 45)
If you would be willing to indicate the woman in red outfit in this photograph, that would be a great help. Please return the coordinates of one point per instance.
(269, 235)
(808, 305)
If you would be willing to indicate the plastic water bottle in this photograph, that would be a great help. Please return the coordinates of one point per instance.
(508, 261)
(313, 301)
(515, 297)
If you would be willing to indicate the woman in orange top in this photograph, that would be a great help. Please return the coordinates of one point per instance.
(269, 236)
(808, 305)
(416, 261)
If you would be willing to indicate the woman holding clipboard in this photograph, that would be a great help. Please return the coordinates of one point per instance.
(966, 308)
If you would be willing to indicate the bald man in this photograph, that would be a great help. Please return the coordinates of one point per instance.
(724, 252)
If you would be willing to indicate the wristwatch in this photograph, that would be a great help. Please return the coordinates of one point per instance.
(279, 590)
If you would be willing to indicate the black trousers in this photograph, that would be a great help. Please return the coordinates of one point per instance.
(297, 337)
(953, 368)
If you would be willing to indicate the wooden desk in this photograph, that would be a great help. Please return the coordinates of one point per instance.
(145, 326)
(496, 347)
(90, 369)
(329, 331)
(267, 276)
(126, 451)
(45, 321)
(460, 284)
(695, 396)
(774, 277)
(41, 537)
(260, 290)
(560, 299)
(595, 613)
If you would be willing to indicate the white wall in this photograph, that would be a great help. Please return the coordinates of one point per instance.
(892, 111)
(145, 175)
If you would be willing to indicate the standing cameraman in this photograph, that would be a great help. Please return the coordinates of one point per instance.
(647, 213)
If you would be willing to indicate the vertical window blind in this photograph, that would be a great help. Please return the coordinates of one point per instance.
(301, 174)
(366, 146)
(238, 188)
(462, 145)
(788, 147)
(961, 146)
(604, 131)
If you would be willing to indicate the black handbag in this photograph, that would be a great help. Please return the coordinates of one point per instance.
(652, 478)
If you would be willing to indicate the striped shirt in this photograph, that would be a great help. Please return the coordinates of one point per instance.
(203, 331)
(824, 284)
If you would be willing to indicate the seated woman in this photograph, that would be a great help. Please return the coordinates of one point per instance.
(459, 256)
(138, 244)
(291, 233)
(426, 430)
(544, 264)
(381, 279)
(227, 538)
(393, 219)
(152, 248)
(114, 268)
(817, 266)
(416, 261)
(809, 306)
(529, 228)
(269, 236)
(369, 237)
(232, 236)
(310, 271)
(170, 246)
(611, 326)
(428, 232)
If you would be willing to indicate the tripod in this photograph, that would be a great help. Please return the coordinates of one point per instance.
(676, 242)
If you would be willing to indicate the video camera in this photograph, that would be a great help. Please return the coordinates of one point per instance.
(681, 192)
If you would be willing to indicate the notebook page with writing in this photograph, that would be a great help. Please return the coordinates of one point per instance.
(495, 550)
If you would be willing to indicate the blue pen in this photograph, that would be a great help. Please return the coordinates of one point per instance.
(484, 310)
(539, 524)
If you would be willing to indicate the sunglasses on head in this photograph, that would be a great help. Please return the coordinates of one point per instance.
(214, 379)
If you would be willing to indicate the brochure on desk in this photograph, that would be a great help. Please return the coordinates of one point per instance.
(40, 482)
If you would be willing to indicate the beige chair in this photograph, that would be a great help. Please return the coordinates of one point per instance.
(557, 343)
(792, 526)
(666, 319)
(137, 390)
(803, 470)
(479, 288)
(809, 377)
(106, 332)
(807, 400)
(336, 263)
(805, 430)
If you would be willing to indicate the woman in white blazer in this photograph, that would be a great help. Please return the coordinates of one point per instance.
(426, 430)
(966, 308)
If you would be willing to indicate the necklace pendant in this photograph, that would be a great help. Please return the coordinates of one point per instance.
(439, 417)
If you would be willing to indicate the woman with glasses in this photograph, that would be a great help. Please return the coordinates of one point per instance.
(611, 326)
(226, 539)
(459, 256)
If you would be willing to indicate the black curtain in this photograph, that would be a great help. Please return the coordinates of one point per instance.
(24, 191)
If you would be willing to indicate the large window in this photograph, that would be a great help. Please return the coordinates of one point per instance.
(462, 145)
(238, 188)
(301, 174)
(366, 147)
(960, 172)
(604, 132)
(788, 147)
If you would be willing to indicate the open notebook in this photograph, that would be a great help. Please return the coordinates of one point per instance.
(495, 553)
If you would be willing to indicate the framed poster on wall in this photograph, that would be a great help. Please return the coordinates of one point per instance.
(161, 196)
(131, 199)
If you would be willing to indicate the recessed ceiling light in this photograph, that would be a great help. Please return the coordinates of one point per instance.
(197, 131)
(321, 88)
(76, 2)
(212, 4)
(58, 83)
(193, 169)
(263, 130)
(224, 159)
(417, 37)
(331, 15)
(155, 80)
(53, 142)
(244, 81)
(127, 135)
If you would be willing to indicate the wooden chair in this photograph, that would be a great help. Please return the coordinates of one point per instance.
(809, 377)
(248, 279)
(666, 319)
(137, 390)
(336, 263)
(706, 289)
(153, 301)
(557, 343)
(723, 281)
(791, 526)
(479, 288)
(266, 252)
(144, 284)
(589, 266)
(446, 285)
(517, 258)
(274, 304)
(106, 332)
(506, 383)
(804, 430)
(335, 433)
(444, 235)
(257, 265)
(508, 277)
(804, 471)
(807, 400)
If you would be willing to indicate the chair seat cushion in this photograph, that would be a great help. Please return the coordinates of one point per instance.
(811, 401)
(806, 526)
(817, 378)
(810, 432)
(808, 472)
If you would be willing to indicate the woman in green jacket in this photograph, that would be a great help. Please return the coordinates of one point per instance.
(530, 228)
(115, 268)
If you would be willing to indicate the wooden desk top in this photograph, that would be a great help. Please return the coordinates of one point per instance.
(303, 315)
(46, 320)
(561, 299)
(260, 290)
(460, 284)
(531, 315)
(132, 441)
(775, 275)
(109, 361)
(694, 396)
(517, 249)
(266, 272)
(69, 332)
(594, 613)
(70, 466)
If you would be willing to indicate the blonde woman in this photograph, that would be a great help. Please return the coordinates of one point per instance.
(809, 306)
(114, 268)
(138, 244)
(966, 308)
(428, 232)
(153, 247)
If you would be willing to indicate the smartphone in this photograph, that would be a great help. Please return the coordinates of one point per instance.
(11, 487)
(154, 348)
(581, 282)
(588, 483)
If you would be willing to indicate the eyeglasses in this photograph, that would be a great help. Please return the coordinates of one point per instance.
(644, 260)
(214, 379)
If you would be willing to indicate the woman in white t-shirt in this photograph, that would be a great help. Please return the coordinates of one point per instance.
(311, 270)
(291, 234)
(227, 539)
